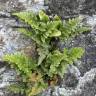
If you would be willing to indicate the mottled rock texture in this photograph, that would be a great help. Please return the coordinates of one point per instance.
(71, 8)
(80, 78)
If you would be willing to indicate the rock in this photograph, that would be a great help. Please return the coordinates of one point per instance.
(12, 40)
(14, 5)
(21, 5)
(85, 87)
(71, 77)
(72, 8)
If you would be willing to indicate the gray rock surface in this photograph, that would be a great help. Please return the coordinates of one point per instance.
(80, 78)
(72, 8)
(20, 5)
(85, 87)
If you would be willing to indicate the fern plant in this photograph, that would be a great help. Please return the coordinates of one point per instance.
(42, 29)
(36, 75)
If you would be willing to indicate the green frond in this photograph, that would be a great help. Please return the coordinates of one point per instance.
(16, 88)
(43, 28)
(61, 60)
(42, 54)
(27, 17)
(22, 63)
(72, 28)
(43, 16)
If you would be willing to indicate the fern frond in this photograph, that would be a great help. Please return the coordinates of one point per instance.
(27, 17)
(22, 63)
(59, 60)
(42, 54)
(72, 28)
(43, 28)
(16, 88)
(43, 16)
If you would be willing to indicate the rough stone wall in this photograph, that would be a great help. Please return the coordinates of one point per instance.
(71, 8)
(80, 78)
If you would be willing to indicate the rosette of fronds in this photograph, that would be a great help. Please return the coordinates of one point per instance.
(50, 63)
